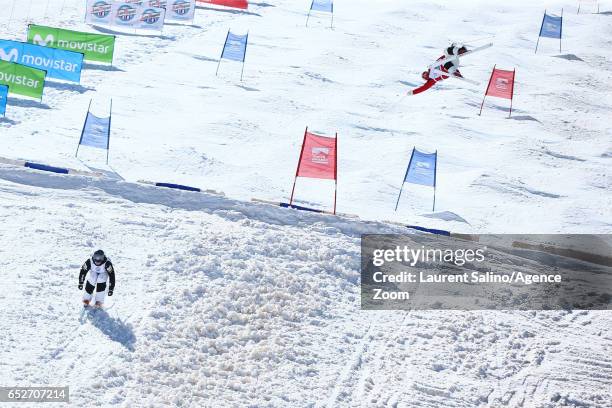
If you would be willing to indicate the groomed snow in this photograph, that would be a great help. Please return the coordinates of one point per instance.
(543, 171)
(221, 302)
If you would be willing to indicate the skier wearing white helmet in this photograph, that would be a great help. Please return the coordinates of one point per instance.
(449, 66)
(100, 270)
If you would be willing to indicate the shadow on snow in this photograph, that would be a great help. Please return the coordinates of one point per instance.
(115, 329)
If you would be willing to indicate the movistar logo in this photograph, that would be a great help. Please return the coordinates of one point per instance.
(49, 39)
(10, 56)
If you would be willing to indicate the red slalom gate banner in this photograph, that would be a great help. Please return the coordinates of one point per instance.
(501, 85)
(319, 160)
(239, 4)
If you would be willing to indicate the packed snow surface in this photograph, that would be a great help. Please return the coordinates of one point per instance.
(222, 302)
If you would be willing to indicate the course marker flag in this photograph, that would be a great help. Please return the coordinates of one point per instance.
(501, 85)
(3, 99)
(593, 3)
(22, 80)
(59, 64)
(95, 47)
(96, 131)
(234, 49)
(239, 4)
(552, 27)
(319, 160)
(326, 6)
(422, 169)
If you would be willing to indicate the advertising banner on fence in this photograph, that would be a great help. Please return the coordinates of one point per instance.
(59, 64)
(151, 18)
(176, 10)
(22, 80)
(3, 98)
(98, 12)
(95, 47)
(125, 14)
(132, 15)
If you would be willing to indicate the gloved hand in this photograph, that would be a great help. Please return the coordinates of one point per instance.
(80, 286)
(110, 292)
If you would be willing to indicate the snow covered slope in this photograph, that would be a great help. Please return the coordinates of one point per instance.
(175, 121)
(221, 302)
(224, 303)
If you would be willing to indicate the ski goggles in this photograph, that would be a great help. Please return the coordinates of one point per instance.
(98, 260)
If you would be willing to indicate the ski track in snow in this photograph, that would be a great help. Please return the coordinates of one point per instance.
(225, 303)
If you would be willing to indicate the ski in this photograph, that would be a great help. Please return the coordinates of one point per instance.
(446, 59)
(435, 71)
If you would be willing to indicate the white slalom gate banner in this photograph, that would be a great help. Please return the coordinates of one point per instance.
(128, 14)
(176, 10)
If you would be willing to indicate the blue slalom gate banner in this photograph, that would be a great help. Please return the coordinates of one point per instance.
(234, 49)
(322, 5)
(422, 169)
(552, 27)
(3, 98)
(59, 64)
(96, 131)
(325, 6)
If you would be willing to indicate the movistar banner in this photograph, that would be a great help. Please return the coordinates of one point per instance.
(22, 80)
(95, 47)
(3, 97)
(60, 64)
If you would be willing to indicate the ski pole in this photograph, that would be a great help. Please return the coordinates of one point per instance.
(467, 43)
(393, 104)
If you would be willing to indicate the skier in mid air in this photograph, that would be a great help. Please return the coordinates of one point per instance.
(100, 270)
(447, 66)
(443, 68)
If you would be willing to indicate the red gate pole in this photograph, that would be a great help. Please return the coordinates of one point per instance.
(298, 167)
(512, 92)
(487, 90)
